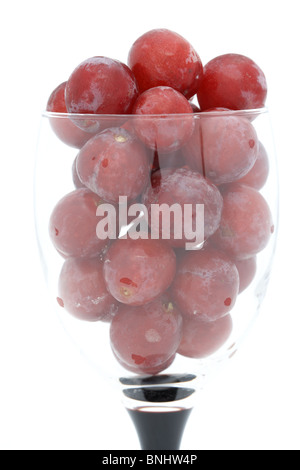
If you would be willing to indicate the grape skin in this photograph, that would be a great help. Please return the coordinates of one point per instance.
(183, 186)
(82, 290)
(145, 339)
(202, 339)
(138, 271)
(246, 224)
(73, 225)
(113, 164)
(206, 285)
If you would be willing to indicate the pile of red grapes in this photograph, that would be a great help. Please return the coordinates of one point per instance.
(140, 135)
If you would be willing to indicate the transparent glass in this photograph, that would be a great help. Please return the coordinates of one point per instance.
(216, 148)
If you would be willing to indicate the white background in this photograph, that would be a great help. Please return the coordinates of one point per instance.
(49, 397)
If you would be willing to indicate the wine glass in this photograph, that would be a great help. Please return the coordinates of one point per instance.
(157, 297)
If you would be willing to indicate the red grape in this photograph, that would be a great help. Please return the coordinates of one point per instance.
(144, 339)
(183, 186)
(161, 132)
(113, 164)
(63, 127)
(202, 339)
(232, 81)
(101, 85)
(82, 290)
(73, 225)
(206, 285)
(246, 224)
(247, 270)
(139, 271)
(192, 150)
(223, 148)
(258, 175)
(163, 58)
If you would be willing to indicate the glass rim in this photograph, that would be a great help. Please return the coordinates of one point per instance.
(201, 114)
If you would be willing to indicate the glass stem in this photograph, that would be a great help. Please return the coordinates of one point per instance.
(159, 430)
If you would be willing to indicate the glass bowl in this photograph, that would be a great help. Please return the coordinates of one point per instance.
(170, 294)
